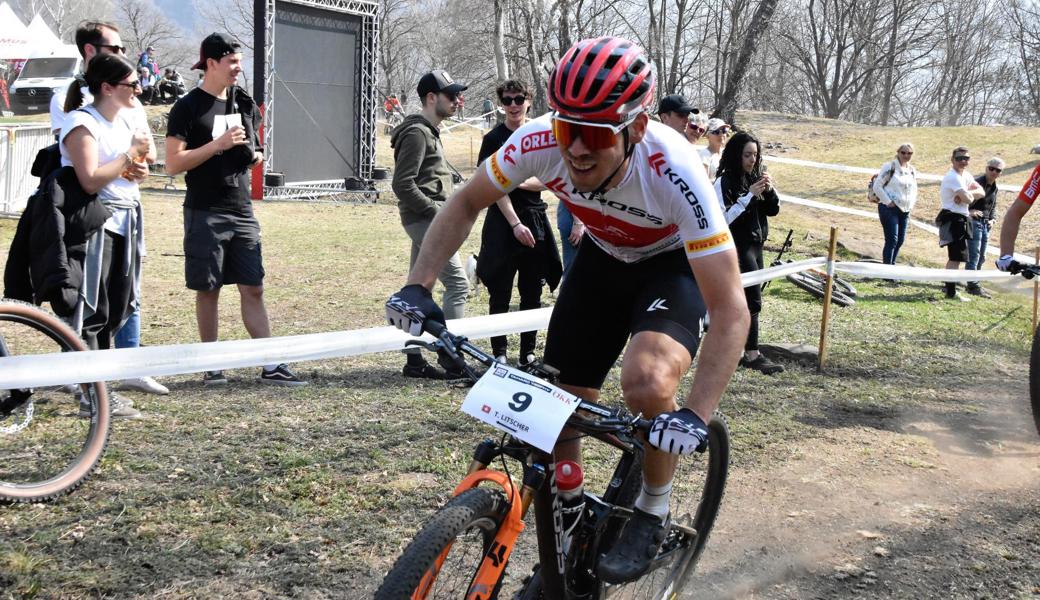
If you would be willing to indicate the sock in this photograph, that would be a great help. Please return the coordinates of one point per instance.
(654, 499)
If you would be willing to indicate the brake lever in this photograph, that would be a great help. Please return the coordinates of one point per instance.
(431, 346)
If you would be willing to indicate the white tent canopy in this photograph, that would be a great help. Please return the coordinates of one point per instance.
(40, 34)
(15, 41)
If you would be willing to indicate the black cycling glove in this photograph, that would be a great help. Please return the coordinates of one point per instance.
(411, 307)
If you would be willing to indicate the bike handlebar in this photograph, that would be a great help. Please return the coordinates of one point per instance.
(610, 419)
(1024, 269)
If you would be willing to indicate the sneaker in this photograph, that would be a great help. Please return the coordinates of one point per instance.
(422, 371)
(501, 359)
(281, 375)
(69, 388)
(958, 297)
(121, 407)
(146, 385)
(635, 549)
(762, 365)
(214, 378)
(978, 290)
(456, 375)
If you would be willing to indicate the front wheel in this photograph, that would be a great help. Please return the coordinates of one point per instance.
(817, 286)
(1034, 379)
(443, 558)
(51, 438)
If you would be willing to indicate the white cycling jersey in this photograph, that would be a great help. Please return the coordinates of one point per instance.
(664, 200)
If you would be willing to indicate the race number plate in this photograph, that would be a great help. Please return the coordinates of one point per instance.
(521, 405)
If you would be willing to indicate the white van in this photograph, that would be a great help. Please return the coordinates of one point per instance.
(45, 72)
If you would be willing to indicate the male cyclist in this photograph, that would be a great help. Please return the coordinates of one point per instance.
(659, 256)
(1013, 218)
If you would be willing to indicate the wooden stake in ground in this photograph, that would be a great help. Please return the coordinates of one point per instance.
(827, 298)
(471, 154)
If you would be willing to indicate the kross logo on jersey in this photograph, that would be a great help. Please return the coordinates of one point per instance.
(497, 173)
(691, 198)
(656, 162)
(539, 140)
(507, 154)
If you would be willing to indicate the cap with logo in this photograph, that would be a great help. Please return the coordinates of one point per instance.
(216, 46)
(438, 80)
(677, 104)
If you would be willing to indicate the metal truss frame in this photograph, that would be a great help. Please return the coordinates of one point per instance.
(366, 58)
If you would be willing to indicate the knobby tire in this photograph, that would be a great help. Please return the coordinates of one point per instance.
(1034, 379)
(58, 450)
(817, 287)
(468, 524)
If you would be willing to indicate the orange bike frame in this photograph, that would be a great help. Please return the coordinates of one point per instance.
(491, 568)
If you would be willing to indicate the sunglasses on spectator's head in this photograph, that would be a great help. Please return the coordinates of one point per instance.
(995, 169)
(962, 158)
(517, 100)
(595, 136)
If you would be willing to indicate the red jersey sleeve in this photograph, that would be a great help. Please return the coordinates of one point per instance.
(1031, 189)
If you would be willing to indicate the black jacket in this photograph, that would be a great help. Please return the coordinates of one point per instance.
(752, 227)
(45, 263)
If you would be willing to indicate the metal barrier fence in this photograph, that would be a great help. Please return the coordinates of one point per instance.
(18, 147)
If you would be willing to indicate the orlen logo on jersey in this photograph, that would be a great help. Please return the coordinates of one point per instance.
(539, 140)
(691, 198)
(656, 161)
(507, 154)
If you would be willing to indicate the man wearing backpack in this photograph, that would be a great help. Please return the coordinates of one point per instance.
(894, 189)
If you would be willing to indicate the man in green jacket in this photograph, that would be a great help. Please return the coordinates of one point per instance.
(422, 182)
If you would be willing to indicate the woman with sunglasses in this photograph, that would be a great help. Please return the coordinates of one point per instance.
(108, 155)
(895, 188)
(982, 213)
(717, 130)
(748, 196)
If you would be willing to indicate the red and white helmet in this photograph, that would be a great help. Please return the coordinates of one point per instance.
(607, 79)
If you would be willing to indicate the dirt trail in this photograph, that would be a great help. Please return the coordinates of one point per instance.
(938, 505)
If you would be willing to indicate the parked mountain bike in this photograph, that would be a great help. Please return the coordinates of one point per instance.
(1030, 271)
(463, 551)
(814, 280)
(46, 447)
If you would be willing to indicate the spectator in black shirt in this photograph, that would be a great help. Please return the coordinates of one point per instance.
(517, 238)
(212, 137)
(982, 213)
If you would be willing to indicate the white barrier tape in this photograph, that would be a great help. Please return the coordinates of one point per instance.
(109, 365)
(864, 170)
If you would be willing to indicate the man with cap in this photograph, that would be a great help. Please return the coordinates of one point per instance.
(422, 182)
(674, 111)
(710, 156)
(212, 139)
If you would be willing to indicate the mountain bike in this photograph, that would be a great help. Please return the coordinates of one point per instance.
(814, 280)
(47, 448)
(464, 549)
(1029, 271)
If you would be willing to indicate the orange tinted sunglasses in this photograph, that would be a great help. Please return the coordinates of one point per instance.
(595, 136)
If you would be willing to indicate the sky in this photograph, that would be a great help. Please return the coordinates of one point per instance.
(183, 13)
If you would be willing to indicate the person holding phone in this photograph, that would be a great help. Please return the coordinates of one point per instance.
(749, 198)
(212, 138)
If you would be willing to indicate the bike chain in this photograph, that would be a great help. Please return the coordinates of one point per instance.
(16, 427)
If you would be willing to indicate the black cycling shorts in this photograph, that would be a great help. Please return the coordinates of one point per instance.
(603, 301)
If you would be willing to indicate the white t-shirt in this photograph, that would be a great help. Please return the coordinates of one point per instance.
(710, 162)
(951, 183)
(113, 139)
(664, 200)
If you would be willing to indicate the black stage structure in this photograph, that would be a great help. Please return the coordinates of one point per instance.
(315, 79)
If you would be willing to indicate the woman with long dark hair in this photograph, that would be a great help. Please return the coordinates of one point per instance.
(108, 155)
(748, 198)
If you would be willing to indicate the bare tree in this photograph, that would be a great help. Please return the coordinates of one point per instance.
(63, 16)
(727, 106)
(498, 41)
(1024, 19)
(142, 24)
(234, 17)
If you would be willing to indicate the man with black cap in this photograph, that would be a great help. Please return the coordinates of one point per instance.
(212, 137)
(422, 182)
(674, 111)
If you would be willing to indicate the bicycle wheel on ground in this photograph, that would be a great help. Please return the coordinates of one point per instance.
(1034, 379)
(48, 444)
(817, 286)
(697, 491)
(462, 531)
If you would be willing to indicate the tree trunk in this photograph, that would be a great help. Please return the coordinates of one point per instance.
(499, 42)
(727, 106)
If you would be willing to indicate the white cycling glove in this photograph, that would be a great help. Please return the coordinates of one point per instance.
(679, 432)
